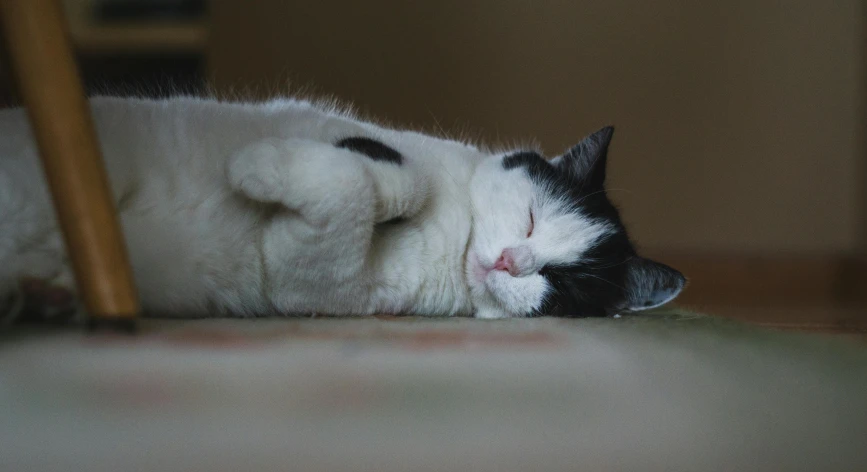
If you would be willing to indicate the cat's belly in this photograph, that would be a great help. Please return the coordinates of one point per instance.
(196, 260)
(409, 270)
(422, 271)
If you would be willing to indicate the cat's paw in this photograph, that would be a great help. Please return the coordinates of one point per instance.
(491, 314)
(49, 300)
(11, 306)
(255, 171)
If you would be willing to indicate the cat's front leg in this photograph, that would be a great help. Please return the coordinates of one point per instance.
(402, 187)
(315, 254)
(317, 180)
(312, 176)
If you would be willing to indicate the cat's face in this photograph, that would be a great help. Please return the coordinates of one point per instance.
(546, 239)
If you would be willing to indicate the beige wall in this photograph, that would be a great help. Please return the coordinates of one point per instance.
(738, 123)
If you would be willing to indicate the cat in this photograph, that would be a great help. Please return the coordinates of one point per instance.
(295, 207)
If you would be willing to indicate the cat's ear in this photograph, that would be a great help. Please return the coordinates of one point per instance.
(586, 161)
(650, 284)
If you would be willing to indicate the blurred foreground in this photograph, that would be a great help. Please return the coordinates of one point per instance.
(663, 392)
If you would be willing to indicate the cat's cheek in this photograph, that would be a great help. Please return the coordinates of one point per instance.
(475, 272)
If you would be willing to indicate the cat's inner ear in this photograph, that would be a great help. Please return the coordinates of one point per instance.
(586, 161)
(650, 284)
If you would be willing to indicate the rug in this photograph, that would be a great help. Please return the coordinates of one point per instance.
(667, 391)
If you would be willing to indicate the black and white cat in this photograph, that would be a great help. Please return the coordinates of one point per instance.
(291, 207)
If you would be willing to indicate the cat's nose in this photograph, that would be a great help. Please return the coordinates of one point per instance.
(517, 261)
(507, 262)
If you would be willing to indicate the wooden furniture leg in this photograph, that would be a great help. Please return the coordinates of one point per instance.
(48, 80)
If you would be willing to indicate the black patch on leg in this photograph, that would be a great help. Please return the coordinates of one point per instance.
(372, 149)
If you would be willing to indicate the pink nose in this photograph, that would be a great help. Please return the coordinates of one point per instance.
(506, 262)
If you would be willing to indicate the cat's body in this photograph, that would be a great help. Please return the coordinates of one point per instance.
(287, 207)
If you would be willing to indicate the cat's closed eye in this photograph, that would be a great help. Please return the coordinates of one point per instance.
(532, 224)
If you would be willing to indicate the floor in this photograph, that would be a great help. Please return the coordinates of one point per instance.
(668, 391)
(843, 321)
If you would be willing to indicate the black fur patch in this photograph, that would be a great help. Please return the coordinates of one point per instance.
(525, 159)
(371, 148)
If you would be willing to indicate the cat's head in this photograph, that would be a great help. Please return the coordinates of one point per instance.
(547, 240)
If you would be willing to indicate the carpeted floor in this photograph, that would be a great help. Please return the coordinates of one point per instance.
(668, 391)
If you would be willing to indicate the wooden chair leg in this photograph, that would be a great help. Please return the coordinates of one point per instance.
(48, 80)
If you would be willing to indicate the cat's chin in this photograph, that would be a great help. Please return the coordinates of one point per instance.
(491, 290)
(492, 314)
(486, 304)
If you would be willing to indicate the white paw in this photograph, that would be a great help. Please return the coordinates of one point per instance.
(491, 314)
(11, 306)
(255, 171)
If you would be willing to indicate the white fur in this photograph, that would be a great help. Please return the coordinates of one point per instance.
(248, 209)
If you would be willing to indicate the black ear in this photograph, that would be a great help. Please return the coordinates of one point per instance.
(650, 284)
(586, 160)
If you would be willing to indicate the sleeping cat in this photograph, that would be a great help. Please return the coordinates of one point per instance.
(290, 207)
